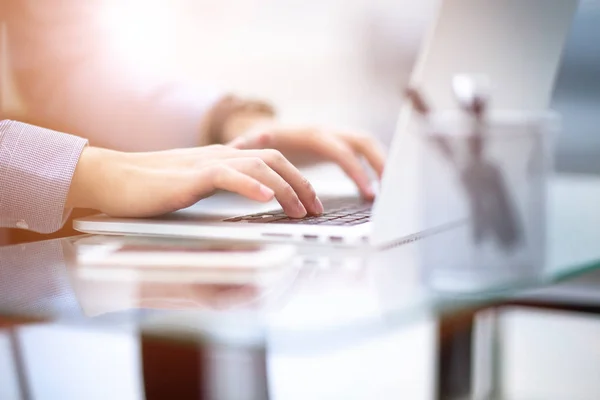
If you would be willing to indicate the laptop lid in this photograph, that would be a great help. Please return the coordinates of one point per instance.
(518, 44)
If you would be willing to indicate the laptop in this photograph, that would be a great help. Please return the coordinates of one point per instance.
(518, 44)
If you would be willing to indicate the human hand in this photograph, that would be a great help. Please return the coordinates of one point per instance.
(196, 296)
(149, 184)
(304, 144)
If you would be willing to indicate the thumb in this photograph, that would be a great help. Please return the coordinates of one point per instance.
(240, 143)
(253, 140)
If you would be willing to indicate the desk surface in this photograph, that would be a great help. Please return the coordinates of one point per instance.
(323, 298)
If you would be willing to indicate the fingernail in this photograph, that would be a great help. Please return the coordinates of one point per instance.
(318, 206)
(369, 191)
(266, 192)
(263, 139)
(373, 188)
(301, 210)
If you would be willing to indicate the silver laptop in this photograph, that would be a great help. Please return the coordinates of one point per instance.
(518, 44)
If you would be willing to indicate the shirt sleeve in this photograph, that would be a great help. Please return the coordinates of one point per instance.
(36, 169)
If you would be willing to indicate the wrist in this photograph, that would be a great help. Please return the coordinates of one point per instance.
(232, 116)
(87, 187)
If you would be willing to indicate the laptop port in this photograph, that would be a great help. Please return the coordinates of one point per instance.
(336, 239)
(277, 235)
(311, 237)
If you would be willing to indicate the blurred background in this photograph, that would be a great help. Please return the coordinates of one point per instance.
(338, 62)
(332, 61)
(577, 93)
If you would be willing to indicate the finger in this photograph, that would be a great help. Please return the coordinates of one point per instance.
(370, 150)
(284, 193)
(304, 190)
(257, 140)
(239, 143)
(232, 180)
(334, 149)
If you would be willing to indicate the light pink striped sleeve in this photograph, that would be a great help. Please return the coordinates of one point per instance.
(36, 168)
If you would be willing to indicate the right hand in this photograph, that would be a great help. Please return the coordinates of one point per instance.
(150, 184)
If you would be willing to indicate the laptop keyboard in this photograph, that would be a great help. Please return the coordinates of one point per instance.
(338, 212)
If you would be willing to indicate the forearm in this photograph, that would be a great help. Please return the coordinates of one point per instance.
(36, 170)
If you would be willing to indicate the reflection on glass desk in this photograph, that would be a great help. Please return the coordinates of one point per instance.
(360, 313)
(321, 297)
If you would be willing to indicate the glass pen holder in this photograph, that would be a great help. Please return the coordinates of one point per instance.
(490, 176)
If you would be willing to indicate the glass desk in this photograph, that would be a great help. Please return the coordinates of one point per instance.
(322, 301)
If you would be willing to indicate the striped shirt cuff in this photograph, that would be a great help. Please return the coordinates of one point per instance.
(36, 168)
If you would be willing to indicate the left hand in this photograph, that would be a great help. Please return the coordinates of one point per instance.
(302, 144)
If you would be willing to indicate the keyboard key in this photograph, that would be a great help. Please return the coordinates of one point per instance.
(348, 218)
(288, 220)
(336, 222)
(265, 220)
(353, 223)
